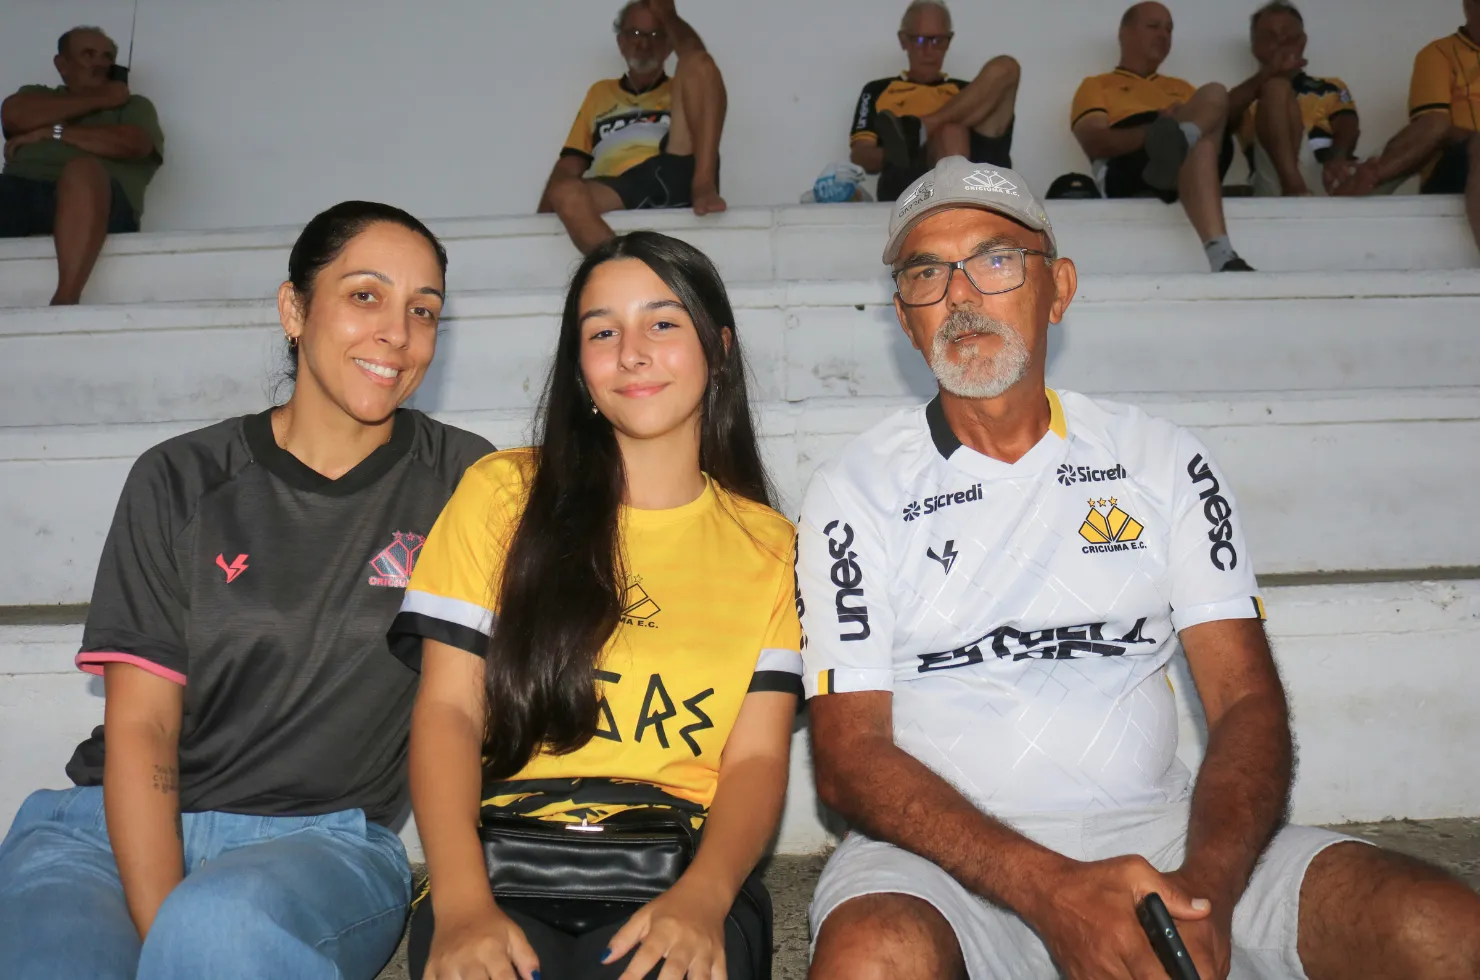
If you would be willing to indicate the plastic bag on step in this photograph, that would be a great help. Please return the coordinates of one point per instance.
(838, 183)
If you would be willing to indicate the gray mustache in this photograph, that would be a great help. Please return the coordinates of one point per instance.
(962, 322)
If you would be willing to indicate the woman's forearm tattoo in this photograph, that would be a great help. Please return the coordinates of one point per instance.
(167, 779)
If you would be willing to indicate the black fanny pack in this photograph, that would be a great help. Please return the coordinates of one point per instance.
(630, 857)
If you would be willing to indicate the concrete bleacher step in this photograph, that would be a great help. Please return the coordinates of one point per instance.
(1324, 396)
(793, 243)
(1380, 677)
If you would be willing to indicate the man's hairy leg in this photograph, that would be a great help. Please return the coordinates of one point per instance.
(1200, 185)
(84, 195)
(698, 120)
(580, 204)
(887, 937)
(1279, 127)
(987, 102)
(1370, 913)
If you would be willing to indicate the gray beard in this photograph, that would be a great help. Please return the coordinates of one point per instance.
(971, 375)
(643, 67)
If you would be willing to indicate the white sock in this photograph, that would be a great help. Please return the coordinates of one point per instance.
(1219, 250)
(1192, 132)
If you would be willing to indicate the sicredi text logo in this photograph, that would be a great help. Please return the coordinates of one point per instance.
(990, 180)
(1070, 475)
(916, 509)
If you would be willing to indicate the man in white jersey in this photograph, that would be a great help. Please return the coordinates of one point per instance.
(993, 585)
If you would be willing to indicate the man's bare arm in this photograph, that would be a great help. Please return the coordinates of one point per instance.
(1412, 147)
(1102, 142)
(685, 39)
(1243, 786)
(121, 142)
(891, 796)
(25, 111)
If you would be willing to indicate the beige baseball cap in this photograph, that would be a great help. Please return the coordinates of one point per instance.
(956, 182)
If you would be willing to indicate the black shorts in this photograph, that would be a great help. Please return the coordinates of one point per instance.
(567, 956)
(29, 207)
(1123, 173)
(1452, 174)
(996, 150)
(662, 181)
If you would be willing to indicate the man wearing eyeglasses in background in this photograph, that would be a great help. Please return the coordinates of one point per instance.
(992, 586)
(904, 124)
(1151, 135)
(643, 140)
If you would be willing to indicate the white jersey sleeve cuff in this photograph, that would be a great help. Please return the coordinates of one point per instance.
(1244, 607)
(846, 680)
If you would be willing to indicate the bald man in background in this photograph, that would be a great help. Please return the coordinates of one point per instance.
(1151, 135)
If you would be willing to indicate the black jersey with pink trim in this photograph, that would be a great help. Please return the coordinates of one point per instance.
(265, 589)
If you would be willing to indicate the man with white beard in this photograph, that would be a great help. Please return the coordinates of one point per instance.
(643, 140)
(992, 586)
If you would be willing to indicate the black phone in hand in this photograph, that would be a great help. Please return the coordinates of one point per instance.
(118, 73)
(1165, 939)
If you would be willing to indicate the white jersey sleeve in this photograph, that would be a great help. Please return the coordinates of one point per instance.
(843, 586)
(1211, 571)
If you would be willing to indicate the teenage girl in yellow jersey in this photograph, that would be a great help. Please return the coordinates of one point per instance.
(607, 622)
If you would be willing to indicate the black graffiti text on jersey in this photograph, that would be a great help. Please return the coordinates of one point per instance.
(1053, 643)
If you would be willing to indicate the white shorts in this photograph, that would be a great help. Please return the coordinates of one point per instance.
(997, 945)
(1265, 179)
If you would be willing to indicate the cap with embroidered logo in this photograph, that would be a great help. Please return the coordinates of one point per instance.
(956, 182)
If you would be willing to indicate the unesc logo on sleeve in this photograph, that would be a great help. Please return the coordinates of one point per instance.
(1219, 513)
(848, 577)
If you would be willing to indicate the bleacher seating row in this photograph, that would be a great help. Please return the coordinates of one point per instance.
(1339, 389)
(799, 244)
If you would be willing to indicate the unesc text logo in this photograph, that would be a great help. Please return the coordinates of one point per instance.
(848, 577)
(1113, 530)
(1219, 513)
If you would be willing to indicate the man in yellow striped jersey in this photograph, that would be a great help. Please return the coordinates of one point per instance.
(643, 140)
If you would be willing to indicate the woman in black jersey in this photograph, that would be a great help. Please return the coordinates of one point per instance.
(238, 824)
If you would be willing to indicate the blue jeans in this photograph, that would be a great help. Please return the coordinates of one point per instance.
(300, 897)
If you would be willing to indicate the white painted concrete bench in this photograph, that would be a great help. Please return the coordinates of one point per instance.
(1329, 398)
(752, 245)
(1381, 680)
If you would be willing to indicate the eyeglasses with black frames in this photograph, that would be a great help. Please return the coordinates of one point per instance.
(998, 270)
(928, 40)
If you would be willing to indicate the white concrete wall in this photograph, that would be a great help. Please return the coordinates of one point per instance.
(274, 109)
(1381, 680)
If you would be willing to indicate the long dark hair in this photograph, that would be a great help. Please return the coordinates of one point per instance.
(563, 580)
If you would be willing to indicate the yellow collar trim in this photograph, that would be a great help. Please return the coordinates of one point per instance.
(1056, 423)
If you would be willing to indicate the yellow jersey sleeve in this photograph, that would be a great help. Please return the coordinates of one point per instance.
(1089, 99)
(779, 665)
(581, 141)
(1432, 87)
(453, 593)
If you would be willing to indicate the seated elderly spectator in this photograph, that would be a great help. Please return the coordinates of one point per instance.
(992, 587)
(77, 158)
(1442, 140)
(1296, 129)
(907, 122)
(643, 140)
(1151, 135)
